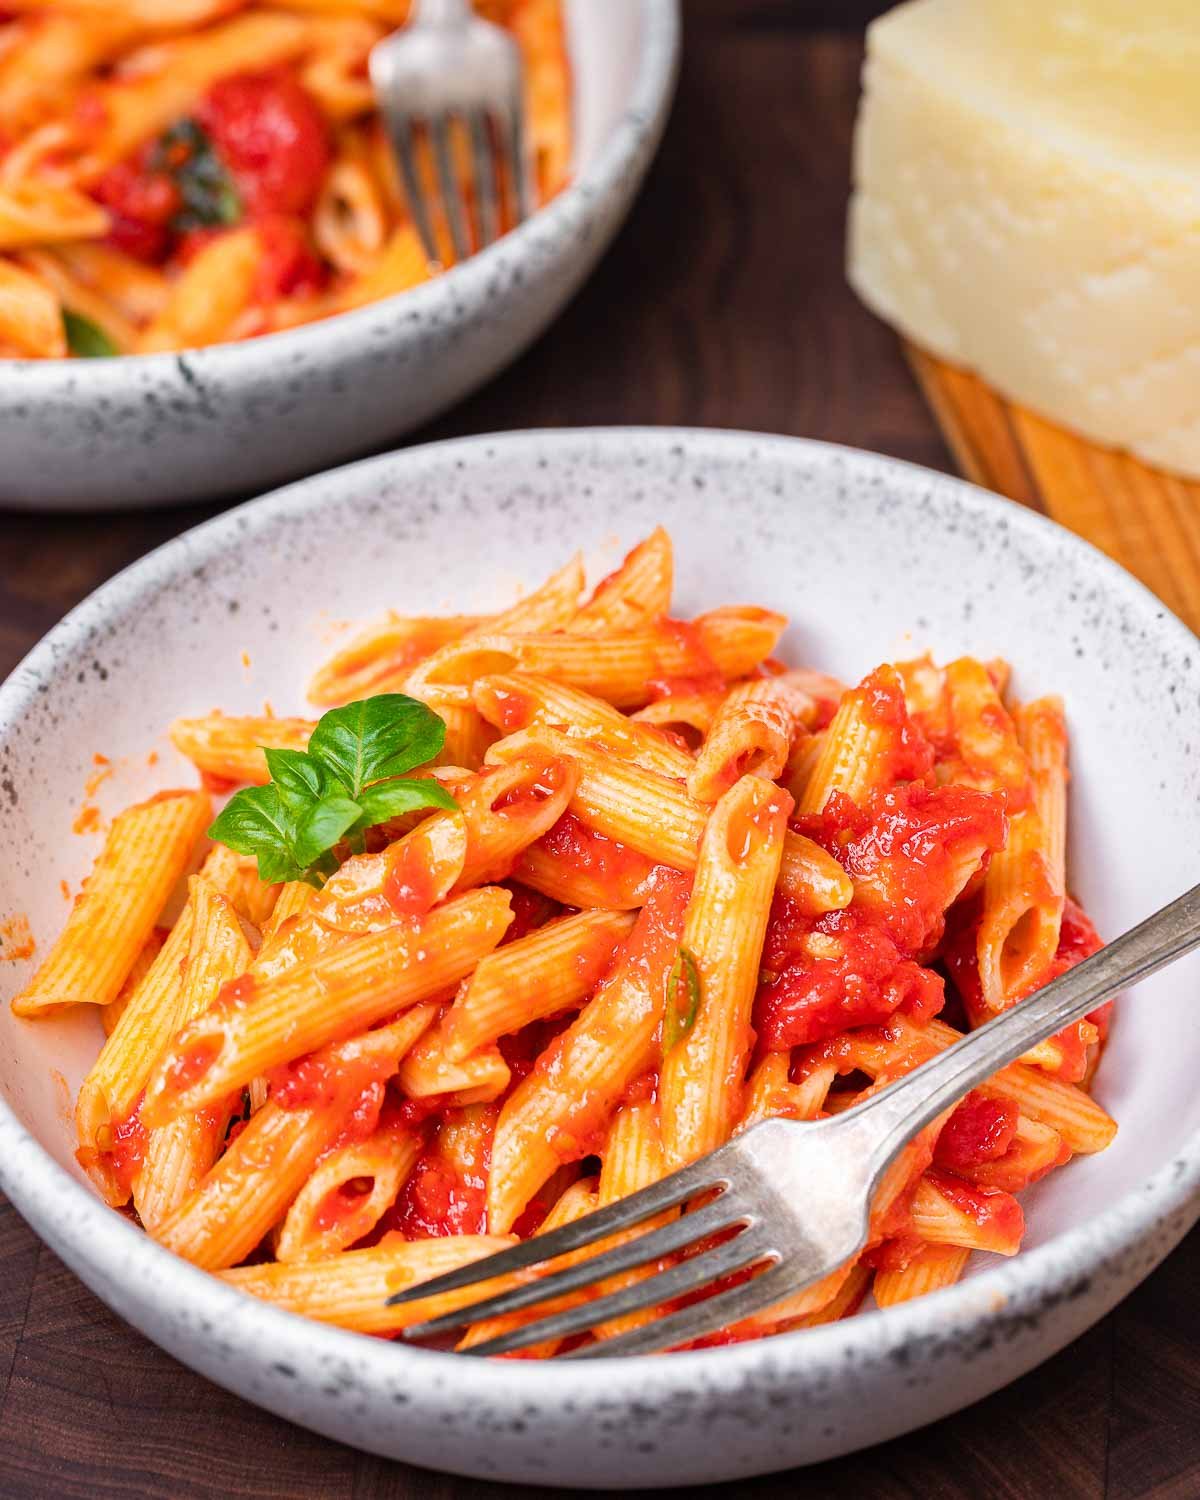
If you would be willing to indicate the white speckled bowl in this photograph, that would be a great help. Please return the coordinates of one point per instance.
(858, 550)
(158, 429)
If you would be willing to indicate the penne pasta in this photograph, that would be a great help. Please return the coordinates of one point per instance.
(648, 890)
(146, 852)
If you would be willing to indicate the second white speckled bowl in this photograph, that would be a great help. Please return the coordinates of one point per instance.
(857, 550)
(158, 429)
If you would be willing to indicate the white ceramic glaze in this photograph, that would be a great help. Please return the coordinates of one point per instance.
(859, 550)
(150, 430)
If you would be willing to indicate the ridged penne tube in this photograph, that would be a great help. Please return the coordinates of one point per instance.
(236, 877)
(752, 734)
(861, 741)
(1034, 1150)
(621, 886)
(428, 1071)
(147, 850)
(109, 1093)
(548, 608)
(943, 1213)
(394, 645)
(352, 1290)
(889, 1052)
(1024, 890)
(617, 668)
(769, 1091)
(518, 700)
(111, 1013)
(341, 991)
(632, 1159)
(179, 1153)
(350, 1190)
(636, 594)
(984, 734)
(556, 1113)
(654, 815)
(703, 1069)
(266, 1165)
(846, 1300)
(689, 715)
(231, 746)
(209, 295)
(501, 811)
(468, 737)
(31, 319)
(930, 1270)
(552, 969)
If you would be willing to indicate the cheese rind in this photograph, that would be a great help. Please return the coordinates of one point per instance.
(1027, 204)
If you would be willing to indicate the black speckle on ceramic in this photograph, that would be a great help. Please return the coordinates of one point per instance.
(159, 429)
(870, 558)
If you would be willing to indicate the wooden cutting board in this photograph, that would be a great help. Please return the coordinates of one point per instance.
(1144, 518)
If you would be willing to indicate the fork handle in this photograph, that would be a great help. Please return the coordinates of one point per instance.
(440, 13)
(892, 1117)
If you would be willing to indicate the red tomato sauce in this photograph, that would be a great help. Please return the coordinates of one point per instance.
(127, 1150)
(881, 695)
(309, 1082)
(289, 267)
(990, 1208)
(341, 1202)
(700, 675)
(530, 909)
(408, 885)
(859, 979)
(141, 202)
(189, 1066)
(606, 861)
(980, 1129)
(271, 136)
(442, 1196)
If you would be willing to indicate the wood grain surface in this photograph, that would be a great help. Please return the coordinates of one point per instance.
(723, 303)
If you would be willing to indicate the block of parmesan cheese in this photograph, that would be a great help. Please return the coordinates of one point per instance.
(1027, 204)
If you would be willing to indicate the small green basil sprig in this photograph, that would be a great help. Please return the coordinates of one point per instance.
(350, 778)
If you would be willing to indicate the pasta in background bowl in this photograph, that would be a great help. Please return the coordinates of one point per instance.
(187, 180)
(872, 561)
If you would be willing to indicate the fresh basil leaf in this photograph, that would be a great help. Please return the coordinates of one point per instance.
(85, 339)
(299, 779)
(679, 1016)
(376, 738)
(206, 188)
(323, 825)
(392, 799)
(255, 821)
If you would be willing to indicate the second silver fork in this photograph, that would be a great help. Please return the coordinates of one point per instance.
(448, 65)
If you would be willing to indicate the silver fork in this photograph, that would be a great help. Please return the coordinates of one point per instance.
(793, 1195)
(448, 64)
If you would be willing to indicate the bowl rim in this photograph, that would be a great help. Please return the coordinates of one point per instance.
(90, 1235)
(644, 115)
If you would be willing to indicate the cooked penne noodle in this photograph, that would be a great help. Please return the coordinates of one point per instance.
(518, 700)
(703, 1068)
(637, 594)
(752, 733)
(934, 1267)
(267, 1164)
(617, 668)
(343, 990)
(231, 748)
(178, 1154)
(551, 970)
(655, 816)
(648, 891)
(350, 1190)
(555, 1114)
(147, 850)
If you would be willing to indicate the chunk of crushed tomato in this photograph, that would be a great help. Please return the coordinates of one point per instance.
(849, 973)
(981, 1129)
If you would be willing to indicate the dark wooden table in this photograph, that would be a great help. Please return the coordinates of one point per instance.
(722, 303)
